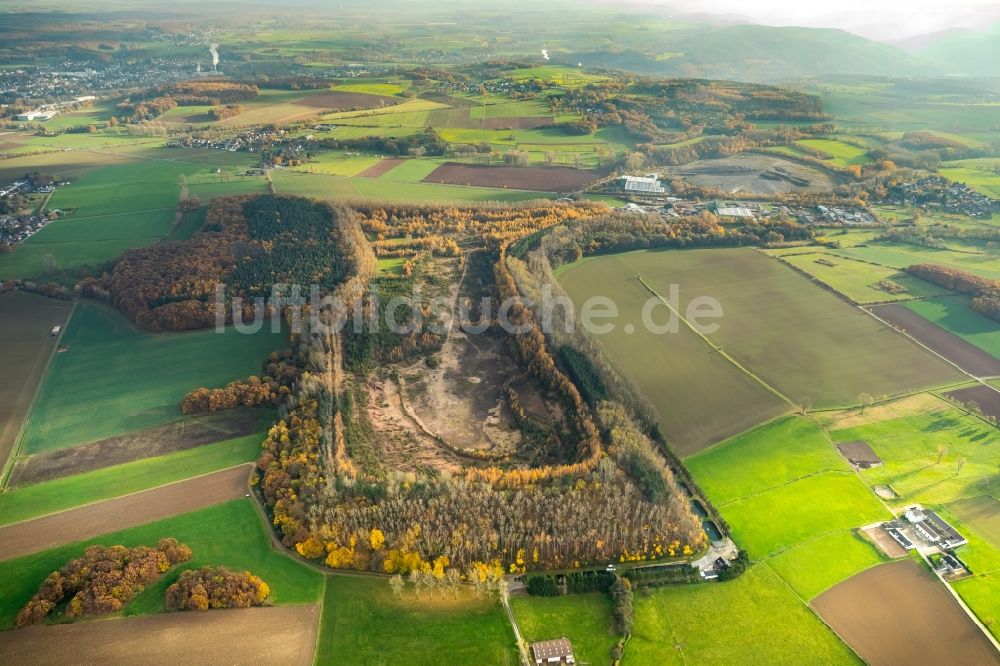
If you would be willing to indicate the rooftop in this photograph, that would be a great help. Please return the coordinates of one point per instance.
(555, 651)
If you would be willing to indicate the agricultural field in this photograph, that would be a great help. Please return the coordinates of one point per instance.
(954, 315)
(222, 636)
(544, 179)
(844, 154)
(899, 256)
(228, 534)
(972, 359)
(755, 616)
(119, 513)
(362, 618)
(860, 281)
(698, 396)
(900, 613)
(114, 204)
(829, 352)
(935, 456)
(47, 497)
(983, 181)
(133, 378)
(586, 619)
(26, 321)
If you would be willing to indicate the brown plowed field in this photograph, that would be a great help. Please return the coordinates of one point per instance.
(970, 358)
(899, 613)
(517, 122)
(345, 101)
(157, 441)
(986, 397)
(279, 635)
(381, 167)
(25, 323)
(85, 522)
(541, 179)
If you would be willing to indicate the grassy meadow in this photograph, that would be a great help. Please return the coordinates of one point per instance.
(132, 378)
(586, 619)
(230, 534)
(954, 315)
(756, 617)
(362, 618)
(858, 280)
(39, 499)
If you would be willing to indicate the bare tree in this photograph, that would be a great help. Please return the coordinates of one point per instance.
(397, 584)
(865, 400)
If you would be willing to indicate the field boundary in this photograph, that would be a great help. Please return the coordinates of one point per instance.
(15, 449)
(716, 347)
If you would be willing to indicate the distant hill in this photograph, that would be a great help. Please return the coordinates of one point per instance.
(960, 51)
(759, 53)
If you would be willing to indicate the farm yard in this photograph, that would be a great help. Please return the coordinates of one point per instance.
(133, 378)
(899, 613)
(586, 619)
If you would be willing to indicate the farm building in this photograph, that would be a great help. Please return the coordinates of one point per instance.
(932, 528)
(558, 651)
(735, 212)
(643, 184)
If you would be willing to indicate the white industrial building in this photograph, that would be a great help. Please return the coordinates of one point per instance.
(643, 184)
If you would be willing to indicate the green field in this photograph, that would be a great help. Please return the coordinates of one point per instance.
(844, 154)
(364, 623)
(585, 619)
(133, 379)
(791, 498)
(698, 396)
(981, 180)
(804, 341)
(908, 446)
(65, 493)
(768, 457)
(111, 208)
(754, 619)
(954, 314)
(900, 256)
(815, 566)
(856, 279)
(230, 534)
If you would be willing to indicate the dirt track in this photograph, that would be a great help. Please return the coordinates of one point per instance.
(85, 522)
(970, 358)
(899, 613)
(279, 635)
(541, 179)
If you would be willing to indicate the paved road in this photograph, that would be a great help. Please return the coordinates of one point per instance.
(38, 534)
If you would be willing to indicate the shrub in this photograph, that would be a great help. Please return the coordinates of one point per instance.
(210, 587)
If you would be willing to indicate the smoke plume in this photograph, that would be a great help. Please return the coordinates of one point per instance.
(214, 50)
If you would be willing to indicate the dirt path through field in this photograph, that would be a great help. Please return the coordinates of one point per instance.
(85, 522)
(279, 635)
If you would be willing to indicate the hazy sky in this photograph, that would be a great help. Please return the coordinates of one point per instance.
(878, 19)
